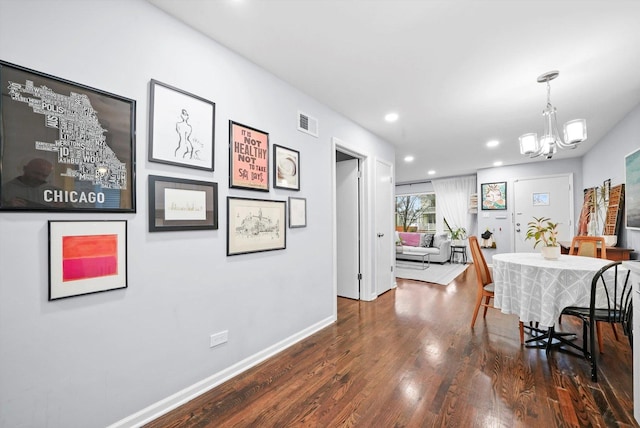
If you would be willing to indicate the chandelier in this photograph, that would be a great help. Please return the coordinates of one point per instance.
(575, 131)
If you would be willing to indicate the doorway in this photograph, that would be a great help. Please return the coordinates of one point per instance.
(550, 197)
(348, 225)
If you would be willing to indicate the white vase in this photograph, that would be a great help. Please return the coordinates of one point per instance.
(551, 253)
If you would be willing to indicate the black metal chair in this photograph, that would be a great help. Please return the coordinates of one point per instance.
(610, 302)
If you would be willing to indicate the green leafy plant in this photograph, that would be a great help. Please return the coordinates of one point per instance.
(456, 232)
(544, 231)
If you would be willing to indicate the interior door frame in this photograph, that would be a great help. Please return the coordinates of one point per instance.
(365, 283)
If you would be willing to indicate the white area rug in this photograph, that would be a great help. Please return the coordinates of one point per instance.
(437, 273)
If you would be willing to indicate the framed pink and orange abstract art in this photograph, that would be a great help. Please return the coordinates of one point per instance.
(86, 257)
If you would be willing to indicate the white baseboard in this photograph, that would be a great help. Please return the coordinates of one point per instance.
(161, 407)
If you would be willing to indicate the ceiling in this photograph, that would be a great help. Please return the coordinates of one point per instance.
(458, 72)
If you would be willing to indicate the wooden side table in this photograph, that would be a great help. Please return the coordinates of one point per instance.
(613, 253)
(458, 249)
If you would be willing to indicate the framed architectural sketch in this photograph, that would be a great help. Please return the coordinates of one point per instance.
(181, 127)
(494, 195)
(64, 146)
(286, 168)
(248, 158)
(297, 212)
(255, 225)
(180, 204)
(86, 257)
(632, 189)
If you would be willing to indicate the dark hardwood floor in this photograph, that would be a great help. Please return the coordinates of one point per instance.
(409, 359)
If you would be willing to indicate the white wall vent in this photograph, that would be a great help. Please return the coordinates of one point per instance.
(307, 124)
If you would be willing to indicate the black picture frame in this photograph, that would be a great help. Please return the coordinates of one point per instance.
(632, 190)
(248, 157)
(86, 257)
(494, 195)
(181, 127)
(64, 147)
(182, 204)
(255, 225)
(297, 212)
(286, 168)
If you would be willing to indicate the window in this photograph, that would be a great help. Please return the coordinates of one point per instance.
(416, 213)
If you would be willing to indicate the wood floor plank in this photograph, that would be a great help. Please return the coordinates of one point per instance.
(409, 359)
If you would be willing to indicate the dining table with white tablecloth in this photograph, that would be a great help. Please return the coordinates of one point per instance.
(537, 289)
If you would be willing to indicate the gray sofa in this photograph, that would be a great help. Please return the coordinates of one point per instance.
(438, 246)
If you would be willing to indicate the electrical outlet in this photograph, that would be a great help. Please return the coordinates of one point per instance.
(219, 338)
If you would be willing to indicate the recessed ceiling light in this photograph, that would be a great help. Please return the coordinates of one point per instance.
(497, 163)
(408, 158)
(493, 143)
(391, 117)
(431, 172)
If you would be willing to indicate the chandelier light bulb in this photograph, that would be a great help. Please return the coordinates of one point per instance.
(575, 131)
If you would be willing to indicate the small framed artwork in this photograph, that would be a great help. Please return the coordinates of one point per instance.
(181, 204)
(494, 195)
(540, 199)
(64, 146)
(286, 167)
(86, 257)
(181, 127)
(632, 189)
(248, 157)
(255, 225)
(297, 212)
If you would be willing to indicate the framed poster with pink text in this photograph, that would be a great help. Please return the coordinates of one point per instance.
(248, 158)
(86, 257)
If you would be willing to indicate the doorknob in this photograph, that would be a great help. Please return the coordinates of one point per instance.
(380, 235)
(517, 230)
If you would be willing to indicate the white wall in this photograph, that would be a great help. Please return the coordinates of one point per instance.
(94, 360)
(606, 160)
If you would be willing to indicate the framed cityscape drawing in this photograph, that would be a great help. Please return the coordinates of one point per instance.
(64, 146)
(297, 212)
(181, 127)
(632, 189)
(286, 168)
(248, 158)
(181, 204)
(494, 195)
(255, 225)
(86, 257)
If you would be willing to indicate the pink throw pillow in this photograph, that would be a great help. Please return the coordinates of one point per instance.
(410, 239)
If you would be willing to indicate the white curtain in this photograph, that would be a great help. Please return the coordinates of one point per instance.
(452, 202)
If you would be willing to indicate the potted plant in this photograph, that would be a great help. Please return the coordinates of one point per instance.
(458, 235)
(545, 232)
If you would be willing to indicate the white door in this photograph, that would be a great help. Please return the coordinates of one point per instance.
(550, 197)
(384, 207)
(348, 254)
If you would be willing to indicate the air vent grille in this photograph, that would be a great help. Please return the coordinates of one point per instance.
(307, 124)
